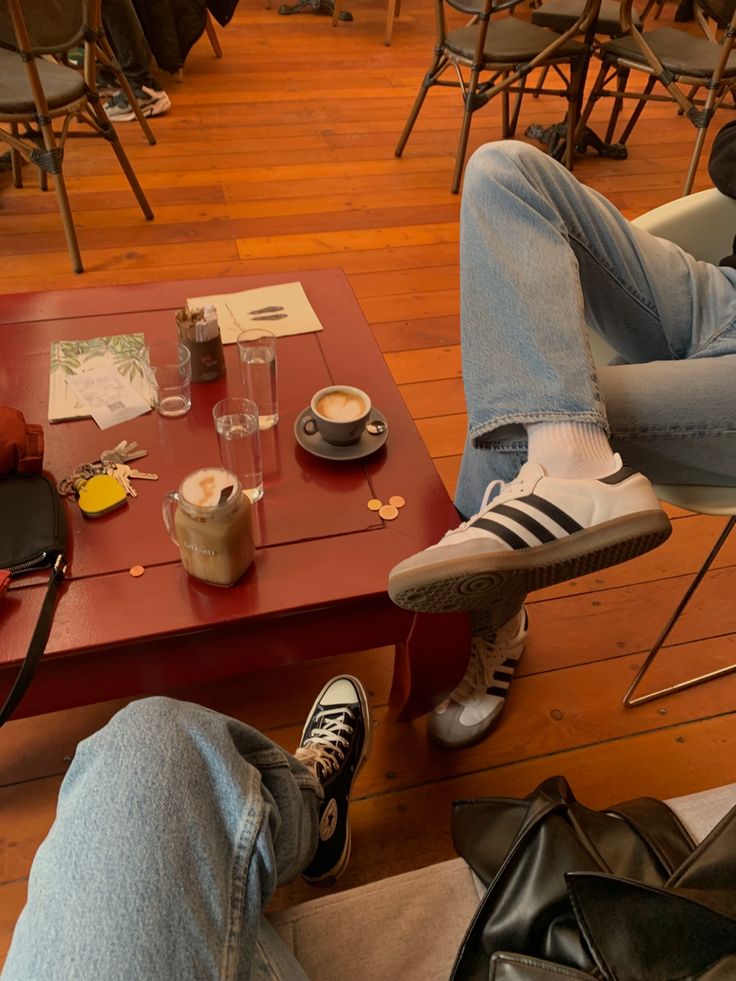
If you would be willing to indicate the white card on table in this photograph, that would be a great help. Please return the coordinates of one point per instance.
(110, 398)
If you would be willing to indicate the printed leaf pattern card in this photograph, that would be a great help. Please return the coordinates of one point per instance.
(125, 353)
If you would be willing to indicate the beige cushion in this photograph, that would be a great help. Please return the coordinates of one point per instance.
(408, 926)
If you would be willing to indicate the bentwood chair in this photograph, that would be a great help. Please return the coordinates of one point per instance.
(35, 92)
(703, 224)
(497, 54)
(682, 64)
(559, 15)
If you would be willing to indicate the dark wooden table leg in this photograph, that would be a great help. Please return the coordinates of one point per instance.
(429, 663)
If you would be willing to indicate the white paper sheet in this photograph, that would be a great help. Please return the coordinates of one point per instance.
(110, 398)
(283, 309)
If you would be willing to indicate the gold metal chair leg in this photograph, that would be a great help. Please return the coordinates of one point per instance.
(629, 700)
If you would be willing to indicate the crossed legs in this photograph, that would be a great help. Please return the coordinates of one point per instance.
(545, 260)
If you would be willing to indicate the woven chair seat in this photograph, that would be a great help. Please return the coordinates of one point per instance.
(678, 51)
(559, 15)
(510, 41)
(61, 85)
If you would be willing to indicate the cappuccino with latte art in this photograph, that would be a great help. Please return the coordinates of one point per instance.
(341, 405)
(340, 414)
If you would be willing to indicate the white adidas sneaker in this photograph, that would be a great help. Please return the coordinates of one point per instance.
(475, 706)
(536, 531)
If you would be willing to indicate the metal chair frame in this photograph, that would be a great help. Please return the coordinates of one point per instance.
(701, 224)
(629, 699)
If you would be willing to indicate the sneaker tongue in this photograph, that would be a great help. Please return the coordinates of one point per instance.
(529, 472)
(526, 479)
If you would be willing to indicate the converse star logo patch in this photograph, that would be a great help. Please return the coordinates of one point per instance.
(329, 821)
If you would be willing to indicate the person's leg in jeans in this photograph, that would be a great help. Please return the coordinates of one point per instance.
(126, 35)
(174, 826)
(133, 52)
(542, 257)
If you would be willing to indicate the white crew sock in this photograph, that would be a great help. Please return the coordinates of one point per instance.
(571, 449)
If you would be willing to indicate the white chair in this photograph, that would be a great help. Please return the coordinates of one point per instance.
(704, 225)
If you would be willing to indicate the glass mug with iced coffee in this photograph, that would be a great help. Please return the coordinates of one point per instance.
(209, 518)
(339, 413)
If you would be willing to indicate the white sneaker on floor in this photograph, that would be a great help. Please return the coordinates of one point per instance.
(152, 102)
(475, 706)
(536, 531)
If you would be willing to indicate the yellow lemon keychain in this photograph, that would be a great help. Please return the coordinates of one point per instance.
(99, 494)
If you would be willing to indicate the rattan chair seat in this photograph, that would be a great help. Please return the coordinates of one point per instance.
(558, 15)
(61, 85)
(510, 41)
(678, 51)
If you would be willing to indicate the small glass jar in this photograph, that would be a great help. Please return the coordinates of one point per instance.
(209, 518)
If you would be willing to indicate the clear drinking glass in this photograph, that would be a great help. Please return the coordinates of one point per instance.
(171, 377)
(257, 357)
(238, 436)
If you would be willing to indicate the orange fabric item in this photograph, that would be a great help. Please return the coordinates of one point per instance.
(21, 443)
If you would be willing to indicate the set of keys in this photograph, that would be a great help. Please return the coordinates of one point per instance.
(85, 483)
(123, 473)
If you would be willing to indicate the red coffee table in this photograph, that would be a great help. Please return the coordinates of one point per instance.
(318, 585)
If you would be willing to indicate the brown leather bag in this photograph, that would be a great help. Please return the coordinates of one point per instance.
(21, 443)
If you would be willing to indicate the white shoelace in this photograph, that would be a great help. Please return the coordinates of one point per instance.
(485, 657)
(487, 652)
(325, 748)
(486, 503)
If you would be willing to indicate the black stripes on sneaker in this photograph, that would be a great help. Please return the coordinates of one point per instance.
(502, 678)
(506, 516)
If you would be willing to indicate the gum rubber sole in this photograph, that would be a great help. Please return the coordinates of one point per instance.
(476, 582)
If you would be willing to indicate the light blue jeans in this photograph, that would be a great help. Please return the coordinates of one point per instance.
(542, 256)
(174, 825)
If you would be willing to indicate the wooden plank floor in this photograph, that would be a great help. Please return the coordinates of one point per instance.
(280, 157)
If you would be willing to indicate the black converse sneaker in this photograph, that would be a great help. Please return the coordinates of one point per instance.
(335, 743)
(475, 706)
(536, 531)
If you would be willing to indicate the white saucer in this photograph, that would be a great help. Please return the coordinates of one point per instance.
(367, 444)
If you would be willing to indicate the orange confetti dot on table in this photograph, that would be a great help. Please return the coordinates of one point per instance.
(388, 512)
(375, 505)
(397, 501)
(136, 571)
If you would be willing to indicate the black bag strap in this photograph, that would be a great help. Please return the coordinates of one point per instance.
(38, 641)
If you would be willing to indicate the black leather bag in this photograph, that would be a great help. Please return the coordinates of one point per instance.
(33, 536)
(572, 893)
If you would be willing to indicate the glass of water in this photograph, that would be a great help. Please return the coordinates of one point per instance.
(257, 357)
(238, 436)
(171, 377)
